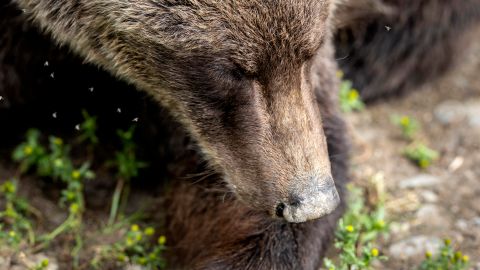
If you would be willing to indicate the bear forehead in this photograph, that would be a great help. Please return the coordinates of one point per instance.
(248, 32)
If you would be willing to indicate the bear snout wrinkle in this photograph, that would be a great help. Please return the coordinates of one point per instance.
(315, 200)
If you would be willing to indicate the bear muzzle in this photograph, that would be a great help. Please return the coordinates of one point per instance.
(312, 201)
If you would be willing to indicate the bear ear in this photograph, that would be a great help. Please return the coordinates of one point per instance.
(351, 12)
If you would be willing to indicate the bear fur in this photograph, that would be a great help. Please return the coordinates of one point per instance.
(396, 46)
(206, 226)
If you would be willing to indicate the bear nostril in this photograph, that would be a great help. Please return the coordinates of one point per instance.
(279, 210)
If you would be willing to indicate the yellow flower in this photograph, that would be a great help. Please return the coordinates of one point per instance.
(465, 258)
(428, 255)
(349, 228)
(75, 174)
(12, 234)
(423, 163)
(374, 252)
(405, 121)
(353, 95)
(447, 242)
(44, 263)
(380, 224)
(130, 242)
(162, 240)
(74, 208)
(149, 231)
(57, 141)
(135, 228)
(27, 150)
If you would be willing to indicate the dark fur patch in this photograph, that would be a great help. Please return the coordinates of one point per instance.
(424, 40)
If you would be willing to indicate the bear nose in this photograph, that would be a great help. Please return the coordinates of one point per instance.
(315, 200)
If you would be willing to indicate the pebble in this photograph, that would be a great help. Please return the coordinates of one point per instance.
(431, 215)
(449, 112)
(429, 196)
(461, 224)
(415, 246)
(476, 221)
(419, 181)
(452, 111)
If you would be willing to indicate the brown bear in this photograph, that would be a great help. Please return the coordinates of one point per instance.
(274, 181)
(253, 86)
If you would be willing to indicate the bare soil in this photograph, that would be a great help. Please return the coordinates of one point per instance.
(450, 208)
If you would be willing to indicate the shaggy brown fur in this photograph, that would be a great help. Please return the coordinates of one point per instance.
(205, 228)
(425, 40)
(235, 73)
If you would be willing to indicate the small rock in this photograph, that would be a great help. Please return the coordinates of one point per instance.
(400, 228)
(449, 112)
(429, 196)
(473, 114)
(476, 221)
(431, 215)
(461, 224)
(419, 181)
(456, 163)
(415, 246)
(453, 111)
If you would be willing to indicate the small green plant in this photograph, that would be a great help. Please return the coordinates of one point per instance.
(14, 223)
(349, 97)
(417, 152)
(420, 154)
(356, 234)
(88, 129)
(127, 167)
(447, 259)
(42, 265)
(136, 247)
(408, 125)
(56, 164)
(29, 152)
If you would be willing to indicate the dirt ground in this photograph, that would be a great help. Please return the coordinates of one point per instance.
(442, 201)
(425, 206)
